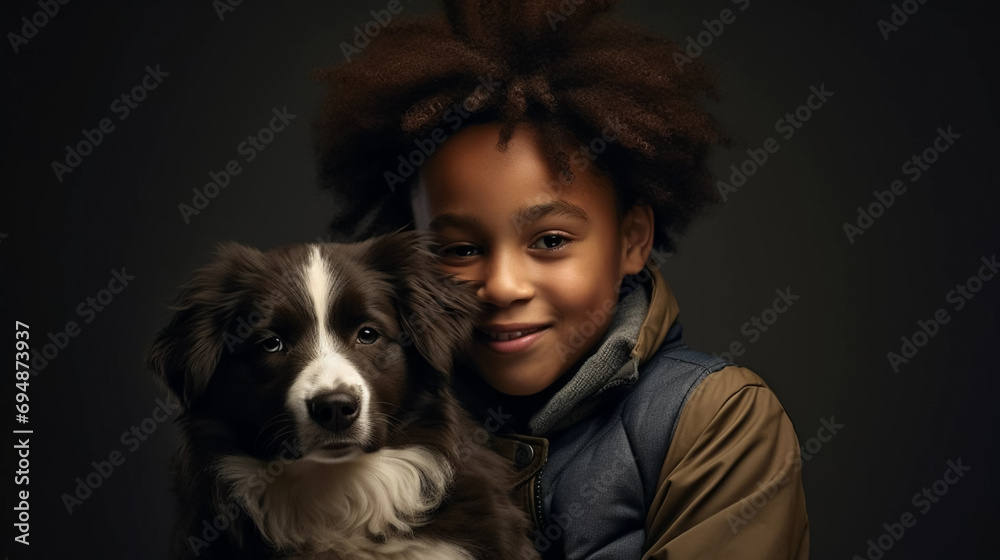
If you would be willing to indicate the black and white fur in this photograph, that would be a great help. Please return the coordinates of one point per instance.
(318, 420)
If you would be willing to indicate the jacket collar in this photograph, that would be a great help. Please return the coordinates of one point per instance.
(662, 314)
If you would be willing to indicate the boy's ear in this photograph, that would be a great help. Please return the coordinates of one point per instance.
(435, 310)
(186, 352)
(638, 229)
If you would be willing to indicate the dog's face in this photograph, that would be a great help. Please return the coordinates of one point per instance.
(326, 349)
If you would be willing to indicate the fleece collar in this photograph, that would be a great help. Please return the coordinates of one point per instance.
(638, 328)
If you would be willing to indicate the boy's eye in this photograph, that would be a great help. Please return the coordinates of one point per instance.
(548, 242)
(461, 251)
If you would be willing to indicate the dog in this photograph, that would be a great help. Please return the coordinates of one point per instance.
(318, 419)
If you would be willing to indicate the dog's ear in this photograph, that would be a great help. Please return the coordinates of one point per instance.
(436, 311)
(185, 353)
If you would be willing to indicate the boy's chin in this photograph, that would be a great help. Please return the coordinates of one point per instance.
(517, 381)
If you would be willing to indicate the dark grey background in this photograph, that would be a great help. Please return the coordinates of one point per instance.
(825, 357)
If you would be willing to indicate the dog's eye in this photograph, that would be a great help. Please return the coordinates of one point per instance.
(368, 335)
(271, 345)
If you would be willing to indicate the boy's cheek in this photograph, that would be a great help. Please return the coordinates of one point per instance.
(600, 316)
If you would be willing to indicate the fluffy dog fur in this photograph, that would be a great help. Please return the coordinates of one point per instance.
(318, 420)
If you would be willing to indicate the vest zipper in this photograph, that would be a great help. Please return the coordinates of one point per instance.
(538, 500)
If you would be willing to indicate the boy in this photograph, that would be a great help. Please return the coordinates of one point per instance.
(550, 153)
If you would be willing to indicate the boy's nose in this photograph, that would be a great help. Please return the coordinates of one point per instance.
(506, 281)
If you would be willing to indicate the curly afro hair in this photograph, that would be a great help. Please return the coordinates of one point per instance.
(573, 76)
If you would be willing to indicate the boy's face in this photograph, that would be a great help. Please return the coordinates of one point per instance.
(547, 257)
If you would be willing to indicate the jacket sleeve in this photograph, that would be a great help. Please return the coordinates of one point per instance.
(730, 486)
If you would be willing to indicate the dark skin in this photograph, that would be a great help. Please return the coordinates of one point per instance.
(547, 256)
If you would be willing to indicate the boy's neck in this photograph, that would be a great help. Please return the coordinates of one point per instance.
(480, 398)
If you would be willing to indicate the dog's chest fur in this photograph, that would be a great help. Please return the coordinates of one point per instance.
(363, 509)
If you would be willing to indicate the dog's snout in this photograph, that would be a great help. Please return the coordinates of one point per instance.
(336, 410)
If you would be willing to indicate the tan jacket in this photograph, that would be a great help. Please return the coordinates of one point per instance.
(730, 485)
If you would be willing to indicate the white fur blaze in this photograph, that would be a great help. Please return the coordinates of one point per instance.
(328, 369)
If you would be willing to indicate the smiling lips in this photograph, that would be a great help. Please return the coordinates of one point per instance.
(512, 337)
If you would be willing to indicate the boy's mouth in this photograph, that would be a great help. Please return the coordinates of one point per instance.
(510, 337)
(511, 331)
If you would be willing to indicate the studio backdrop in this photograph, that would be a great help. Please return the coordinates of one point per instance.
(852, 262)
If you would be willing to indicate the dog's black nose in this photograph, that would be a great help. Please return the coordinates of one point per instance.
(336, 410)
